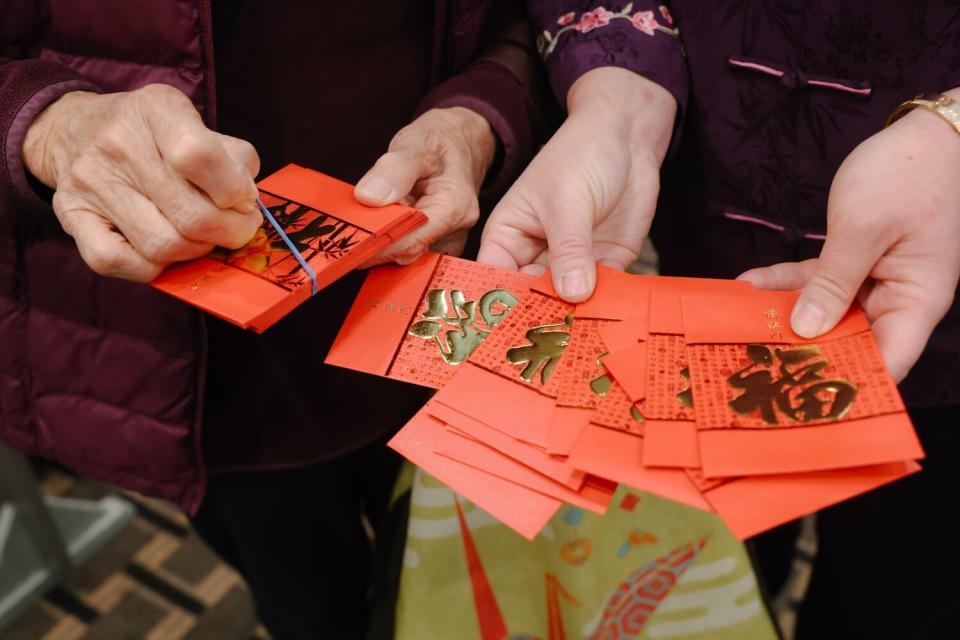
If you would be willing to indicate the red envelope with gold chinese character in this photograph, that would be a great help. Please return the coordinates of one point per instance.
(258, 284)
(419, 323)
(770, 402)
(647, 360)
(541, 356)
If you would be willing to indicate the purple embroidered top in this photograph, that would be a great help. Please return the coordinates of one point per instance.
(772, 98)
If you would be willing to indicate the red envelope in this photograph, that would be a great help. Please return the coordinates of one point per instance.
(561, 471)
(522, 509)
(754, 504)
(629, 368)
(662, 383)
(565, 427)
(616, 411)
(617, 455)
(765, 405)
(420, 322)
(623, 335)
(671, 443)
(256, 285)
(476, 453)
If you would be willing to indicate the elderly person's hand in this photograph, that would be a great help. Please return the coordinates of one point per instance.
(436, 164)
(140, 181)
(893, 240)
(590, 194)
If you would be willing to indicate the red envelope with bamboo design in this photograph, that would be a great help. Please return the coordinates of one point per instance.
(419, 323)
(770, 402)
(258, 284)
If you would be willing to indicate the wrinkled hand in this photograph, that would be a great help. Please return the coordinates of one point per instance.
(140, 181)
(590, 194)
(893, 241)
(436, 164)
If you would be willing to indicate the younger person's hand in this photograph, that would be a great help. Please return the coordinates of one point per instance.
(893, 241)
(590, 194)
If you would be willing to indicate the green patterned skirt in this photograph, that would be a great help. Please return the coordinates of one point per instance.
(649, 568)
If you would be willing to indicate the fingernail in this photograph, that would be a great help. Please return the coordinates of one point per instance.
(573, 284)
(375, 188)
(807, 320)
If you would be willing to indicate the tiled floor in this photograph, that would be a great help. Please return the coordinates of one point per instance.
(155, 581)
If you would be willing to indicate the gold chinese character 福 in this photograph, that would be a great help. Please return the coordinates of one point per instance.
(544, 351)
(801, 394)
(456, 344)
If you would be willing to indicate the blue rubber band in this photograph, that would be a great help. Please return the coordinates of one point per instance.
(293, 250)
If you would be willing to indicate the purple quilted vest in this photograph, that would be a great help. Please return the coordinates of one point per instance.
(100, 374)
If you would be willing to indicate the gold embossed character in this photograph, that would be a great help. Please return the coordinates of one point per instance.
(601, 384)
(457, 343)
(545, 348)
(801, 394)
(685, 396)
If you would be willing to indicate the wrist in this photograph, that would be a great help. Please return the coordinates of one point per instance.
(931, 130)
(46, 145)
(640, 110)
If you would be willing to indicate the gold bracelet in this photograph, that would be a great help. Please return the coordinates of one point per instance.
(944, 106)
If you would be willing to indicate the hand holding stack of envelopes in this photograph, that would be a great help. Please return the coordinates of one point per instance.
(693, 389)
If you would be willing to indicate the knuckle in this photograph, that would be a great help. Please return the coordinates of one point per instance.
(157, 95)
(568, 246)
(834, 286)
(104, 260)
(249, 156)
(470, 211)
(189, 153)
(234, 192)
(114, 140)
(165, 247)
(197, 225)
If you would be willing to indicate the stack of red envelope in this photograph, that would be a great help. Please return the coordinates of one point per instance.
(692, 389)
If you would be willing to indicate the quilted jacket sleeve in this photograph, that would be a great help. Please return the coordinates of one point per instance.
(26, 88)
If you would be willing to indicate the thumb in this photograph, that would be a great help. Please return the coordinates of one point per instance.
(570, 247)
(845, 262)
(392, 177)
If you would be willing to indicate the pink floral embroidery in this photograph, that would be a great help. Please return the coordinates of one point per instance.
(589, 21)
(644, 21)
(665, 12)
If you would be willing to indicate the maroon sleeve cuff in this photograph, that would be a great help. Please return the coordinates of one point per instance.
(493, 92)
(27, 87)
(578, 36)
